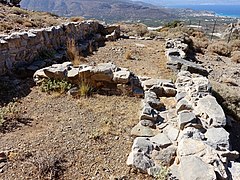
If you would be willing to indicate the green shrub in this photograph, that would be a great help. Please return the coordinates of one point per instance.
(173, 24)
(163, 174)
(8, 111)
(60, 86)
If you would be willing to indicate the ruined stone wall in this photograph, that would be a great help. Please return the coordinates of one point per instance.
(22, 47)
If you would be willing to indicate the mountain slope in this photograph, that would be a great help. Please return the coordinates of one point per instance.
(100, 9)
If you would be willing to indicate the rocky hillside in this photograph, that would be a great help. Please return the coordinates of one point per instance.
(103, 9)
(17, 19)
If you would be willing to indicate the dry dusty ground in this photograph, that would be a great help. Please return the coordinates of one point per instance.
(88, 138)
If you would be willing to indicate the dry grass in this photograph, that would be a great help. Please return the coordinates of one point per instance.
(74, 53)
(236, 56)
(128, 55)
(220, 47)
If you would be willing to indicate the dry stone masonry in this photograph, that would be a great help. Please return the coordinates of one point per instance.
(21, 50)
(189, 138)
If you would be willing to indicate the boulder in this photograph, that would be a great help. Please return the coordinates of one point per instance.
(192, 132)
(184, 118)
(177, 64)
(172, 133)
(234, 169)
(152, 99)
(166, 156)
(161, 140)
(211, 111)
(193, 168)
(182, 105)
(140, 161)
(143, 131)
(218, 138)
(103, 72)
(142, 144)
(121, 77)
(149, 113)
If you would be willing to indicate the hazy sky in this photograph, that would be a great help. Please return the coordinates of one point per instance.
(170, 2)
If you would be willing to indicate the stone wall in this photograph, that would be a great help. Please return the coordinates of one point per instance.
(23, 47)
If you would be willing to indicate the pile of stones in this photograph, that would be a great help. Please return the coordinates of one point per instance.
(104, 76)
(189, 138)
(178, 59)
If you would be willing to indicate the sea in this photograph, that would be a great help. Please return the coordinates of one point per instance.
(221, 10)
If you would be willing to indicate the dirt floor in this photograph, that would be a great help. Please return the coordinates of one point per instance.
(59, 137)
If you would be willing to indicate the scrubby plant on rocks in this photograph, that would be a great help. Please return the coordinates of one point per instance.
(60, 86)
(8, 111)
(163, 173)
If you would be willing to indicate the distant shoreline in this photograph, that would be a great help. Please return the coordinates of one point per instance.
(226, 11)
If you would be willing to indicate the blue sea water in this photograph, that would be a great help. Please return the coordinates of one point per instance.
(221, 10)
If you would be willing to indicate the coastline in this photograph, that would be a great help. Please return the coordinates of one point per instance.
(218, 10)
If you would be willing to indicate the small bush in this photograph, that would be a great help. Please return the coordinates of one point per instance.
(8, 111)
(60, 86)
(173, 24)
(221, 48)
(236, 56)
(163, 174)
(85, 89)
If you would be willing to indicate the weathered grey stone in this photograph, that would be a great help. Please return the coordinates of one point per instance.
(212, 111)
(180, 95)
(142, 144)
(148, 113)
(148, 123)
(143, 131)
(175, 52)
(185, 117)
(169, 91)
(187, 147)
(152, 99)
(158, 90)
(182, 105)
(103, 72)
(140, 161)
(73, 91)
(193, 168)
(175, 63)
(154, 171)
(234, 169)
(174, 172)
(73, 73)
(121, 77)
(57, 71)
(191, 132)
(218, 138)
(148, 83)
(166, 156)
(172, 133)
(161, 140)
